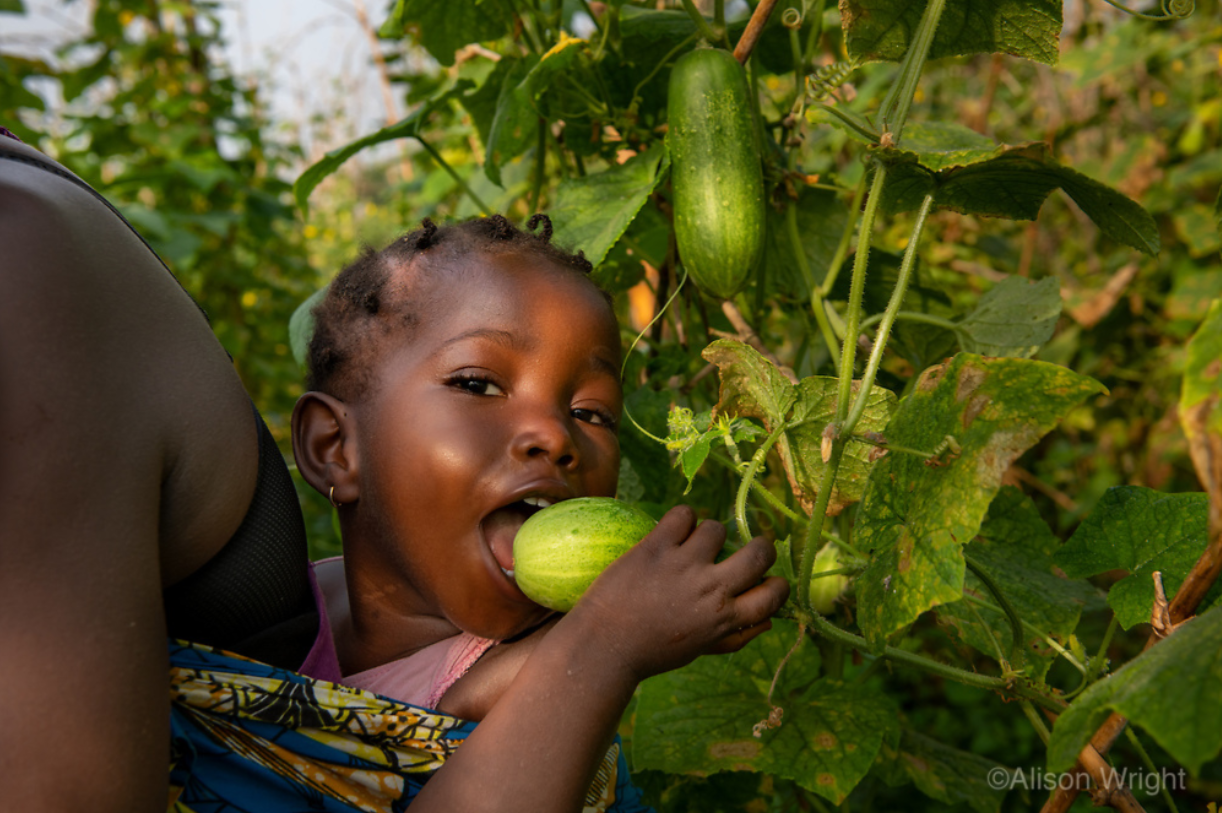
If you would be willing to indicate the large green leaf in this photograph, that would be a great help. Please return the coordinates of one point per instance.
(915, 517)
(1140, 530)
(592, 212)
(1015, 547)
(12, 6)
(1014, 318)
(882, 29)
(301, 327)
(1170, 690)
(443, 28)
(515, 127)
(1007, 181)
(409, 127)
(752, 387)
(941, 772)
(700, 718)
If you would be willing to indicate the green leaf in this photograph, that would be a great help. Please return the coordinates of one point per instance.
(1015, 547)
(592, 212)
(516, 124)
(753, 387)
(1170, 690)
(915, 518)
(941, 772)
(1010, 182)
(801, 446)
(443, 28)
(1014, 318)
(12, 6)
(481, 103)
(882, 29)
(1140, 530)
(301, 327)
(700, 718)
(406, 128)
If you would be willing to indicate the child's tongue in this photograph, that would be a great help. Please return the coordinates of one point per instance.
(500, 527)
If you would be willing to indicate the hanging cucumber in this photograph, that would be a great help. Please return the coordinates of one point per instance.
(715, 171)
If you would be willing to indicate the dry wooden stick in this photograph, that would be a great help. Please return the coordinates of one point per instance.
(755, 27)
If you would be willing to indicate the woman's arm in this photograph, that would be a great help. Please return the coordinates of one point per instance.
(120, 465)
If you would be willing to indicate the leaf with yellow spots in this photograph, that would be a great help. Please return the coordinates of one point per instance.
(700, 719)
(917, 513)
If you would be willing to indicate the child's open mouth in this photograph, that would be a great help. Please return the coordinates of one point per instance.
(501, 526)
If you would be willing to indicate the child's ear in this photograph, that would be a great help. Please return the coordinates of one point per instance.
(324, 447)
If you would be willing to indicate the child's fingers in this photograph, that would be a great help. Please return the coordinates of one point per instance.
(761, 601)
(747, 565)
(705, 542)
(737, 639)
(674, 527)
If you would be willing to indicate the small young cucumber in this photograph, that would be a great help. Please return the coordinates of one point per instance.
(715, 171)
(559, 552)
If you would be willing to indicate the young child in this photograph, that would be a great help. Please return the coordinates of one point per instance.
(462, 378)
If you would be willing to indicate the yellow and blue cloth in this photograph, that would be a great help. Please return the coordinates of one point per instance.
(252, 738)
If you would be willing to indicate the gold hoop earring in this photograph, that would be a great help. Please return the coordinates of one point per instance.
(331, 497)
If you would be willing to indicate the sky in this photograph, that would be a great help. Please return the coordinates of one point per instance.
(311, 57)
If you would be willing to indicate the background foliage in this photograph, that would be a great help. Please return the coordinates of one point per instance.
(560, 107)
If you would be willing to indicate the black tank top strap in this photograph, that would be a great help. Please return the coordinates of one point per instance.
(254, 597)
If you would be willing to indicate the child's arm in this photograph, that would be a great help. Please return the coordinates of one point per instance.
(660, 606)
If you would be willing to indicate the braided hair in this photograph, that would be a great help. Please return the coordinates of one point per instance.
(371, 300)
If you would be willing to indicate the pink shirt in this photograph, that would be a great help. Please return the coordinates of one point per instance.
(420, 679)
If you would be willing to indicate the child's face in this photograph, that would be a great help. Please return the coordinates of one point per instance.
(508, 390)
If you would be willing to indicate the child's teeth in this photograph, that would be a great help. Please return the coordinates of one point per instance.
(538, 502)
(508, 573)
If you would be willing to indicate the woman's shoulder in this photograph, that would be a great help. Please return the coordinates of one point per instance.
(113, 359)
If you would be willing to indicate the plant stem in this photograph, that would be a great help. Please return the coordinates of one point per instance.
(830, 630)
(484, 208)
(744, 488)
(815, 528)
(861, 261)
(1036, 721)
(702, 25)
(912, 316)
(816, 299)
(585, 4)
(1016, 623)
(846, 237)
(1149, 763)
(896, 105)
(884, 330)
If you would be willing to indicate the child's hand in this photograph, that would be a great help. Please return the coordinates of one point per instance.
(666, 601)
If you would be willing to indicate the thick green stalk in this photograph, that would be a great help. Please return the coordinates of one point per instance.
(815, 529)
(484, 208)
(884, 330)
(896, 105)
(744, 488)
(702, 25)
(829, 630)
(846, 237)
(844, 393)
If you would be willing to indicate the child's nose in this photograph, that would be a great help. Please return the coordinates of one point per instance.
(546, 434)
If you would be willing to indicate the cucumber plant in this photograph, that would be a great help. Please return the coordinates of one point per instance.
(870, 411)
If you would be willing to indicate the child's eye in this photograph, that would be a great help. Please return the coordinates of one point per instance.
(595, 416)
(476, 385)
